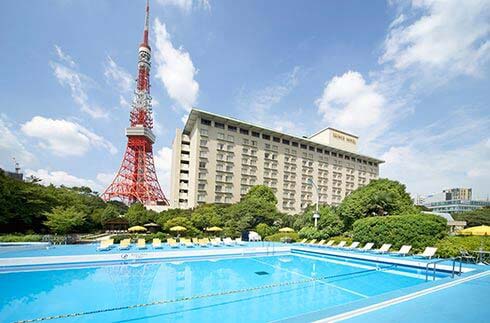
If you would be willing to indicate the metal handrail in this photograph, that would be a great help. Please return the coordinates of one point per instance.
(460, 258)
(435, 262)
(434, 270)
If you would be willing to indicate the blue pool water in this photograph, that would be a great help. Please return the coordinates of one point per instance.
(34, 294)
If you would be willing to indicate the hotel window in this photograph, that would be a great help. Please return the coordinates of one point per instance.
(286, 150)
(201, 186)
(231, 138)
(275, 139)
(245, 141)
(267, 146)
(221, 135)
(219, 177)
(229, 158)
(203, 132)
(295, 144)
(255, 134)
(318, 150)
(274, 147)
(232, 128)
(286, 142)
(203, 142)
(229, 168)
(243, 131)
(229, 178)
(218, 188)
(201, 198)
(230, 147)
(203, 154)
(219, 167)
(303, 146)
(220, 157)
(326, 152)
(202, 175)
(206, 122)
(227, 199)
(312, 148)
(266, 137)
(202, 164)
(221, 146)
(219, 125)
(254, 143)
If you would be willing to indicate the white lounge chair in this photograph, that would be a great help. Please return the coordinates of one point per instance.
(104, 245)
(216, 242)
(172, 243)
(141, 244)
(239, 242)
(368, 246)
(157, 244)
(303, 241)
(429, 252)
(329, 244)
(404, 250)
(384, 248)
(340, 245)
(228, 242)
(124, 244)
(353, 245)
(187, 242)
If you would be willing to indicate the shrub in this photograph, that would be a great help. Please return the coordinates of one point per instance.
(416, 230)
(312, 233)
(282, 236)
(265, 230)
(20, 238)
(148, 237)
(451, 246)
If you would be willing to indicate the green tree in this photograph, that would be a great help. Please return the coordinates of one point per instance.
(63, 221)
(183, 222)
(382, 195)
(137, 214)
(205, 216)
(265, 230)
(474, 218)
(261, 193)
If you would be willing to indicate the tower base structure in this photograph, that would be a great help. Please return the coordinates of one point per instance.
(136, 180)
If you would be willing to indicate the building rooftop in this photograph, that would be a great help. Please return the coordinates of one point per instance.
(195, 113)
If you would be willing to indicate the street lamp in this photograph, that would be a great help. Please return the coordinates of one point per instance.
(316, 215)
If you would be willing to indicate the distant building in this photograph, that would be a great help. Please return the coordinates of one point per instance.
(451, 200)
(15, 175)
(458, 193)
(451, 223)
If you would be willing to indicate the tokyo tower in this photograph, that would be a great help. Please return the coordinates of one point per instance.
(136, 180)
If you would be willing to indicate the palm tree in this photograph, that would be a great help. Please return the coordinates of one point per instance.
(380, 203)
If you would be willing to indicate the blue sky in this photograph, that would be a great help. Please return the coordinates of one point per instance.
(410, 78)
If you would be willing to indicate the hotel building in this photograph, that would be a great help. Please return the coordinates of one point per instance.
(217, 159)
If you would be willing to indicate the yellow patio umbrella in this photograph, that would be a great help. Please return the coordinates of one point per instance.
(178, 228)
(214, 229)
(482, 230)
(137, 228)
(286, 229)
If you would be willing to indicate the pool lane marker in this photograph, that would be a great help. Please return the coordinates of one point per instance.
(401, 299)
(190, 298)
(370, 269)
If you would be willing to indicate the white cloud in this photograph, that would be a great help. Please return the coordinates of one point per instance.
(259, 105)
(163, 164)
(59, 178)
(187, 5)
(445, 36)
(64, 57)
(12, 147)
(442, 154)
(175, 69)
(64, 138)
(77, 83)
(349, 103)
(105, 178)
(118, 76)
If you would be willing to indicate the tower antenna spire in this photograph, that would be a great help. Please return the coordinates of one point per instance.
(147, 24)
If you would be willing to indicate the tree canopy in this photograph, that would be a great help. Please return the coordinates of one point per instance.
(379, 197)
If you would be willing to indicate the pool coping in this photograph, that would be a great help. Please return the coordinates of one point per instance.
(10, 264)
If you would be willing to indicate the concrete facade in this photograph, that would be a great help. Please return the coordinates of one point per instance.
(217, 159)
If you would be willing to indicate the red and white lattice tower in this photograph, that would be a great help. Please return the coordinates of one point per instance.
(137, 180)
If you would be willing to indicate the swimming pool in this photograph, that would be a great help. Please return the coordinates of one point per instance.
(258, 289)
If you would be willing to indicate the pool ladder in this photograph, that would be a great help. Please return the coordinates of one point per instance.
(435, 262)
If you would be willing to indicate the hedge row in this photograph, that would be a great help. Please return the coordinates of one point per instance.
(451, 246)
(417, 230)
